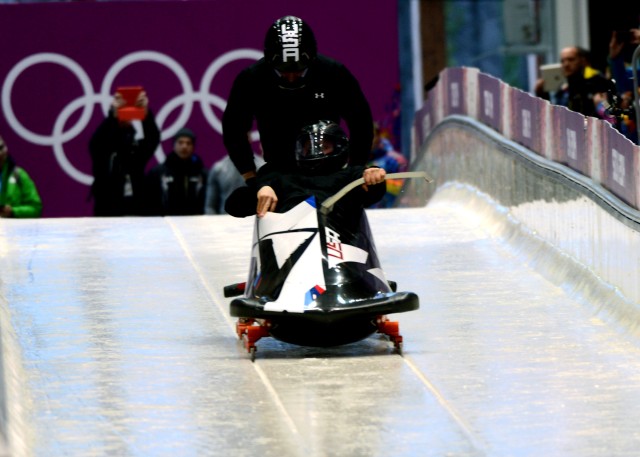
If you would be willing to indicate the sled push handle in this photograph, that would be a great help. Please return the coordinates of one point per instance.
(328, 204)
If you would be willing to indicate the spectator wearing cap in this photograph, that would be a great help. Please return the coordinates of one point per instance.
(583, 82)
(177, 187)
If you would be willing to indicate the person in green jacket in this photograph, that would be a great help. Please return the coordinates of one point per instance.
(18, 194)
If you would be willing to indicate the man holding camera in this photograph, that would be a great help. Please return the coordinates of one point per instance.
(119, 153)
(583, 82)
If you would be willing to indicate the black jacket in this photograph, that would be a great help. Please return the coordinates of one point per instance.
(294, 188)
(118, 164)
(177, 187)
(330, 92)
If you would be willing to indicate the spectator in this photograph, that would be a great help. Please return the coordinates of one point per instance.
(177, 186)
(621, 47)
(223, 179)
(19, 197)
(383, 155)
(290, 87)
(582, 82)
(120, 150)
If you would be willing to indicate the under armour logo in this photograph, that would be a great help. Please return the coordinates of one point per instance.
(319, 94)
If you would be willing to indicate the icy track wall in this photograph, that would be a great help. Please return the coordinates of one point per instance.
(566, 187)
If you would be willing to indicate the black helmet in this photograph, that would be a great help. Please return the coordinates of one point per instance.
(322, 148)
(290, 45)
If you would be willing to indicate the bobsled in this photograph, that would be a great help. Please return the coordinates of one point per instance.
(315, 280)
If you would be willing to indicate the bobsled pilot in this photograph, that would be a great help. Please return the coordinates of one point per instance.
(322, 152)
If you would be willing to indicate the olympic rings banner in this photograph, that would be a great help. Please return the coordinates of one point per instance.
(62, 61)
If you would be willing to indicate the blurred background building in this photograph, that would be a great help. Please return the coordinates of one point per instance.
(508, 39)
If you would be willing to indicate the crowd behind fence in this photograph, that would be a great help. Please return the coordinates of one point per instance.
(589, 145)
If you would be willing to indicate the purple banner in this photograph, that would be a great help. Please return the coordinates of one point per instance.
(573, 141)
(525, 119)
(619, 170)
(490, 101)
(62, 61)
(424, 120)
(455, 92)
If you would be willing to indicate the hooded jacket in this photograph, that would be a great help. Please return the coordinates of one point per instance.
(328, 92)
(19, 191)
(118, 163)
(177, 187)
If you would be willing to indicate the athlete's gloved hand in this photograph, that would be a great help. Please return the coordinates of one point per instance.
(242, 202)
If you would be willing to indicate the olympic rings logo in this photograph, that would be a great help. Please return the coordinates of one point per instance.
(59, 136)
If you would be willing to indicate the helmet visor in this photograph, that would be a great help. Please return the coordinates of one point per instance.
(322, 148)
(315, 145)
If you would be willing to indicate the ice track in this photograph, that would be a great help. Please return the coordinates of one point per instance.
(117, 341)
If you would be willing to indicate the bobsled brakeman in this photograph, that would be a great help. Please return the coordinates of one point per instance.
(314, 276)
(312, 285)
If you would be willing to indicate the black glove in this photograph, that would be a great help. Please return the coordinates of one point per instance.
(243, 201)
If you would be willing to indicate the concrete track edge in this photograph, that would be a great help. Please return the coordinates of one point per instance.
(542, 205)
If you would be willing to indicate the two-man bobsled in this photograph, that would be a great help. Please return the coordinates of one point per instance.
(315, 280)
